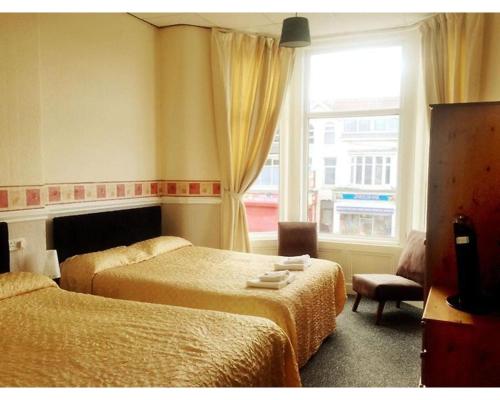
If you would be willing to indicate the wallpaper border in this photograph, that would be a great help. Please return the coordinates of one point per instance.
(16, 198)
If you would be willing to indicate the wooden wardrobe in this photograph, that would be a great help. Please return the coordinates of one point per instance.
(461, 349)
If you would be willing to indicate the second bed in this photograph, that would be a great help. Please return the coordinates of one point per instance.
(169, 270)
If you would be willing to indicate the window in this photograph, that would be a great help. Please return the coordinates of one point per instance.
(330, 133)
(356, 105)
(311, 134)
(330, 169)
(368, 170)
(270, 175)
(262, 199)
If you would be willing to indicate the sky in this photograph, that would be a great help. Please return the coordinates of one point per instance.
(359, 73)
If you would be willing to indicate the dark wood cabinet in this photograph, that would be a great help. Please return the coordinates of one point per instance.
(461, 349)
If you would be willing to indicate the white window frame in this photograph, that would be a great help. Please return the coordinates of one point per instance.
(406, 126)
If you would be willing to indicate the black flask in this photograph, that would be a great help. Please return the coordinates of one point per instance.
(469, 297)
(4, 247)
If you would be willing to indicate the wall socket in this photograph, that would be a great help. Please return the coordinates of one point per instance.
(17, 244)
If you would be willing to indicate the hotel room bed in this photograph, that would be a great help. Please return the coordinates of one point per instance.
(50, 337)
(169, 270)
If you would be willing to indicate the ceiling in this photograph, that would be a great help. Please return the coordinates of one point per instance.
(321, 24)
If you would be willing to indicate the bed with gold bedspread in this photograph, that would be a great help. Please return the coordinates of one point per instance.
(169, 270)
(50, 337)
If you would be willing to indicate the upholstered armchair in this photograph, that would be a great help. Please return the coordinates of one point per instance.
(407, 284)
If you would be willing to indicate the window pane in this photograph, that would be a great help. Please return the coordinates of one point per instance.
(388, 171)
(356, 195)
(378, 170)
(311, 134)
(330, 133)
(355, 176)
(352, 80)
(364, 124)
(262, 199)
(368, 170)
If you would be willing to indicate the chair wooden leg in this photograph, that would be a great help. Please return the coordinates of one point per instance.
(380, 309)
(356, 303)
(398, 304)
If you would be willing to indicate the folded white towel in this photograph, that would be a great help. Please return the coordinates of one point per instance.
(291, 267)
(274, 276)
(304, 259)
(257, 283)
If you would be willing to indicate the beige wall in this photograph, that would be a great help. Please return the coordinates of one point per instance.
(98, 98)
(491, 67)
(188, 130)
(186, 108)
(199, 223)
(32, 257)
(20, 133)
(79, 104)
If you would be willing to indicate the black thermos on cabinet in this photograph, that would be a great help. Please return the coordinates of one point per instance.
(469, 297)
(4, 247)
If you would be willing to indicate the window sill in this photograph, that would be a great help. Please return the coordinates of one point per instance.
(271, 239)
(263, 236)
(359, 241)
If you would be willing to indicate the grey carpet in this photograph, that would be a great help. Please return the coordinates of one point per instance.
(362, 354)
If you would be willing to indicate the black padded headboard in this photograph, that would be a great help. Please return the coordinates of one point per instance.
(4, 248)
(78, 234)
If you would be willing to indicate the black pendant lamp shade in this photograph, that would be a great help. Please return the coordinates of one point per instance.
(295, 32)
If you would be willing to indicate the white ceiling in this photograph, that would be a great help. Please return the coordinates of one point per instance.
(321, 24)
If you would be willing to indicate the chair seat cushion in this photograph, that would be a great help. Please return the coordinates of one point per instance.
(386, 287)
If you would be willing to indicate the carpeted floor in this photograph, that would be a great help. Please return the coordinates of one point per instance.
(362, 354)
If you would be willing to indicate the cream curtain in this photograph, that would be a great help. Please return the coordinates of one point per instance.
(452, 52)
(250, 74)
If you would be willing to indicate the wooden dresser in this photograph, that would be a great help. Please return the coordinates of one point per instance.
(460, 349)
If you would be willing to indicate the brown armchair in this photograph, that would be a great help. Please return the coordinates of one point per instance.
(297, 238)
(407, 284)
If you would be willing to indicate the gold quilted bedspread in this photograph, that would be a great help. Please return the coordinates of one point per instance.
(213, 279)
(51, 337)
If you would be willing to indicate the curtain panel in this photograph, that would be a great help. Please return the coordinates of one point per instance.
(250, 74)
(451, 63)
(452, 53)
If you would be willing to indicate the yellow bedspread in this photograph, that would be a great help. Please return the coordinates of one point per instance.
(51, 337)
(212, 279)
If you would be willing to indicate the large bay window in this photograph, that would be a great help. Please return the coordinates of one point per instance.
(343, 144)
(355, 93)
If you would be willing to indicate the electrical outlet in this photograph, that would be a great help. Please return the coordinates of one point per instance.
(17, 244)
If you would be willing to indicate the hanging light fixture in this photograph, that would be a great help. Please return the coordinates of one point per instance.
(295, 32)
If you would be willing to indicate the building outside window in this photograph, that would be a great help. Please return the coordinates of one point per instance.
(356, 106)
(329, 133)
(311, 134)
(330, 169)
(262, 199)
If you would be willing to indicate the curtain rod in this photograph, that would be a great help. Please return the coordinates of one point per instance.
(168, 26)
(321, 38)
(374, 31)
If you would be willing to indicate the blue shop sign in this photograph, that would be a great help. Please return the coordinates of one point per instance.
(365, 196)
